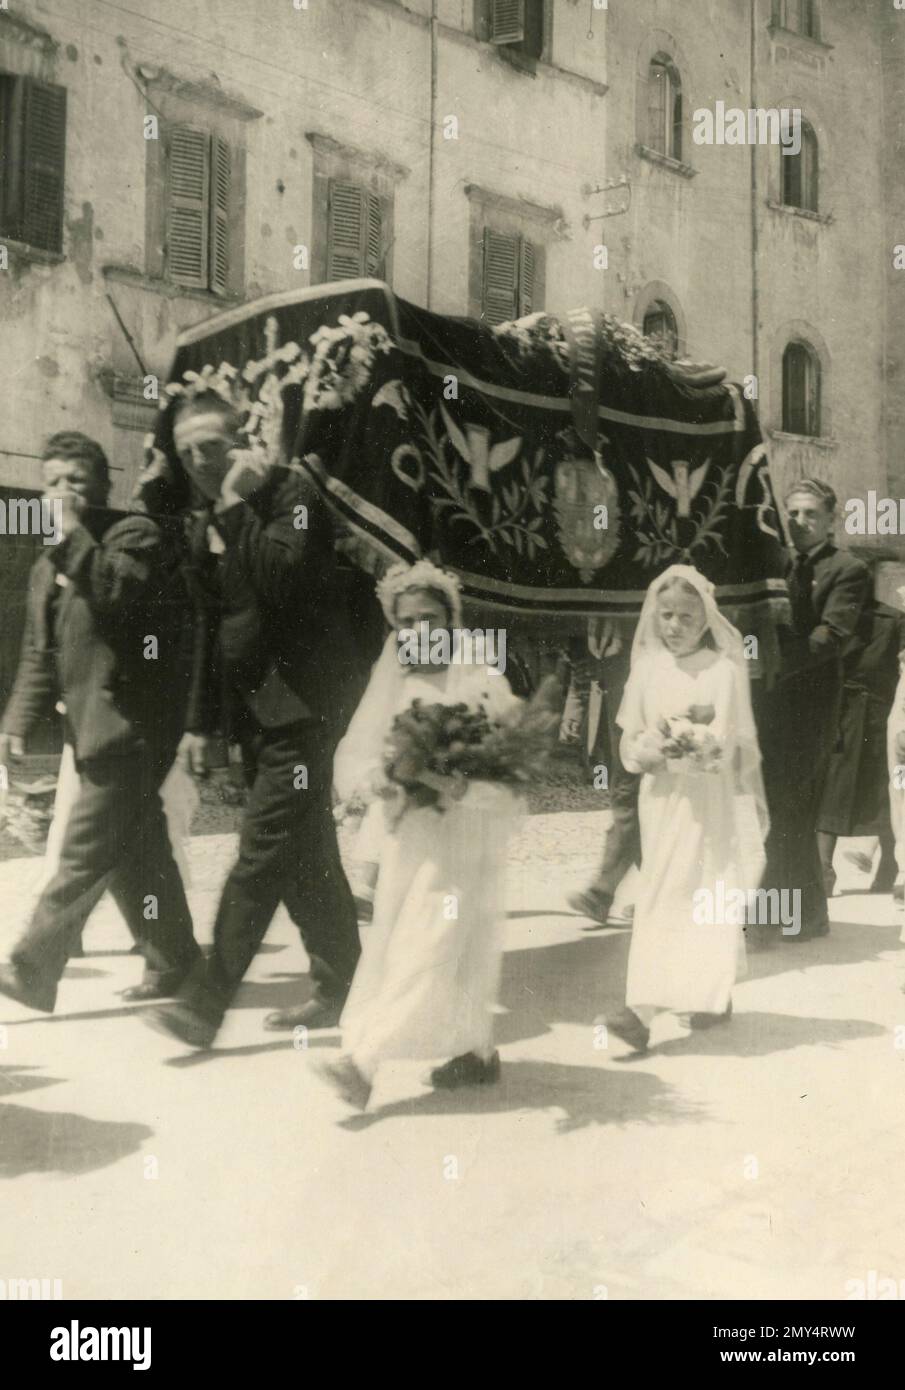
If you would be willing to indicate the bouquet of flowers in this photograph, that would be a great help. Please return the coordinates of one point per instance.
(434, 750)
(688, 736)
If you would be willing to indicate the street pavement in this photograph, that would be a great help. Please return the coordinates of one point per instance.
(755, 1161)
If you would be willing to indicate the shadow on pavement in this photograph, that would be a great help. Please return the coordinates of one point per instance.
(757, 1034)
(51, 1141)
(595, 1095)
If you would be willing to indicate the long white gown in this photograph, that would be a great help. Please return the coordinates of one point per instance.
(696, 830)
(429, 971)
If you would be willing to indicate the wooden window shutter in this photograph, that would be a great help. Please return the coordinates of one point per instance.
(657, 93)
(676, 94)
(221, 179)
(507, 21)
(347, 222)
(501, 275)
(188, 206)
(43, 161)
(526, 277)
(374, 250)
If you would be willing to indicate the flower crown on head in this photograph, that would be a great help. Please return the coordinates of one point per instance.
(423, 574)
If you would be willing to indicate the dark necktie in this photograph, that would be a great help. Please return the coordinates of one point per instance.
(804, 615)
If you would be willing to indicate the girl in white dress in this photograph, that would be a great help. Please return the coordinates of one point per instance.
(429, 972)
(703, 822)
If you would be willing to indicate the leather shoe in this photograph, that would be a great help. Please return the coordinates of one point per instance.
(467, 1070)
(314, 1014)
(15, 986)
(182, 1022)
(149, 989)
(592, 903)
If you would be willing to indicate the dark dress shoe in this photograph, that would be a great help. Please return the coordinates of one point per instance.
(182, 1022)
(703, 1020)
(15, 986)
(592, 903)
(314, 1014)
(630, 1028)
(343, 1077)
(467, 1070)
(148, 989)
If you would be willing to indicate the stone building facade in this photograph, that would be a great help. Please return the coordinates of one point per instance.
(478, 154)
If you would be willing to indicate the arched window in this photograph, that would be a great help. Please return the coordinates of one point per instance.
(664, 107)
(660, 326)
(800, 390)
(799, 173)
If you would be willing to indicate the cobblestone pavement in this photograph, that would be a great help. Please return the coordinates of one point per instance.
(756, 1161)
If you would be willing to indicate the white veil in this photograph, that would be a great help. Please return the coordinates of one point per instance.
(728, 640)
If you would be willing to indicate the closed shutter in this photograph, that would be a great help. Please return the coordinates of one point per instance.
(657, 94)
(676, 150)
(501, 272)
(221, 176)
(346, 224)
(43, 161)
(526, 277)
(507, 21)
(188, 206)
(374, 251)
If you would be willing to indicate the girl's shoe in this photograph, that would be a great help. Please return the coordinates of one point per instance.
(710, 1020)
(343, 1077)
(467, 1070)
(630, 1028)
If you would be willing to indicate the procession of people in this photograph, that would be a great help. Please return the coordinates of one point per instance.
(154, 630)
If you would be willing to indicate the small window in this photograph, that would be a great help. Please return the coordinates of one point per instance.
(356, 239)
(199, 179)
(664, 108)
(799, 173)
(32, 162)
(799, 16)
(517, 24)
(510, 279)
(800, 390)
(660, 326)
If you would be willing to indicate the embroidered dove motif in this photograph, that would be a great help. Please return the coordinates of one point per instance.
(684, 484)
(475, 448)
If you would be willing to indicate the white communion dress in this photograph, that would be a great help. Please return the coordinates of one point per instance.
(429, 972)
(700, 830)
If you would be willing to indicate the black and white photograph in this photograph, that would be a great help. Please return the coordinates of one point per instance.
(452, 659)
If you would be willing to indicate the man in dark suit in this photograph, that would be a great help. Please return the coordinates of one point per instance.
(105, 642)
(799, 717)
(273, 663)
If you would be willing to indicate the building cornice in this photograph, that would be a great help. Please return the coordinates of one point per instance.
(329, 146)
(552, 218)
(16, 30)
(155, 80)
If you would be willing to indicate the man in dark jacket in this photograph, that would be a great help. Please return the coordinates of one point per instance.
(273, 663)
(105, 642)
(828, 590)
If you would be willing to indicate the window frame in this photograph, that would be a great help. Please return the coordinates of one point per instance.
(672, 131)
(515, 50)
(662, 309)
(810, 407)
(14, 152)
(807, 165)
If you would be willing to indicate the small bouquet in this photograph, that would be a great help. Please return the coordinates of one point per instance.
(433, 751)
(688, 736)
